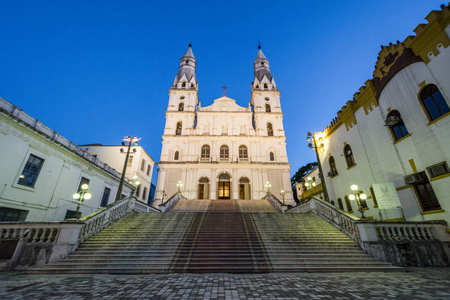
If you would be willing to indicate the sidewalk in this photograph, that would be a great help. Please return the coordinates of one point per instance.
(417, 283)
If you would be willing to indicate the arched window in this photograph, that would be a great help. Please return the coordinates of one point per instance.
(339, 200)
(271, 156)
(181, 106)
(332, 164)
(183, 84)
(348, 204)
(265, 85)
(243, 152)
(205, 151)
(349, 156)
(269, 129)
(433, 102)
(396, 125)
(178, 130)
(267, 107)
(176, 156)
(224, 151)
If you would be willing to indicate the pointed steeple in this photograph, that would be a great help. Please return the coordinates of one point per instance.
(263, 78)
(185, 78)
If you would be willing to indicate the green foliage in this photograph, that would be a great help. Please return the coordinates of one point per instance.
(302, 171)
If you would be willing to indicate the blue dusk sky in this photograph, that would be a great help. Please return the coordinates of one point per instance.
(96, 71)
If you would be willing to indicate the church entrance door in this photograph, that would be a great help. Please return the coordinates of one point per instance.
(244, 188)
(203, 188)
(224, 190)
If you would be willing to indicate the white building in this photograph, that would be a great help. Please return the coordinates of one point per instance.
(311, 185)
(223, 151)
(41, 170)
(140, 164)
(396, 131)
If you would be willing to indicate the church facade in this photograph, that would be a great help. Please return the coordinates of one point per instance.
(223, 151)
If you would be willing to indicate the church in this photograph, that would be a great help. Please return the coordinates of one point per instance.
(224, 151)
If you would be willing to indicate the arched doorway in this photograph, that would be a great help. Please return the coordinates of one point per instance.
(244, 188)
(203, 188)
(224, 186)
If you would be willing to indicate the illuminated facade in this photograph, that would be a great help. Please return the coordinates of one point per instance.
(397, 129)
(223, 151)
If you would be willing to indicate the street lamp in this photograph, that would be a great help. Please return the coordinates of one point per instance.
(81, 196)
(358, 195)
(163, 193)
(310, 183)
(282, 195)
(268, 185)
(313, 144)
(179, 186)
(134, 184)
(130, 140)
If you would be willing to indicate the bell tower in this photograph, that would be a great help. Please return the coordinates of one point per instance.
(265, 100)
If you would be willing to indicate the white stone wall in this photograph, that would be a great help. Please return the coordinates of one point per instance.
(379, 159)
(59, 177)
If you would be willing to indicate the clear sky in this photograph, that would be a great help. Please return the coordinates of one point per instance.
(96, 71)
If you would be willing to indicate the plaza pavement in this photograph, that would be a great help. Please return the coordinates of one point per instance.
(416, 283)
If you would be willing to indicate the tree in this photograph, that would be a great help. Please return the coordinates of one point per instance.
(298, 176)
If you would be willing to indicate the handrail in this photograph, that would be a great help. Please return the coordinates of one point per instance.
(275, 202)
(364, 231)
(165, 206)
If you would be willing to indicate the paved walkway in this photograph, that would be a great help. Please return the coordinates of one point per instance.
(417, 283)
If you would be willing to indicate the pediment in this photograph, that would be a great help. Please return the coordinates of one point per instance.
(224, 104)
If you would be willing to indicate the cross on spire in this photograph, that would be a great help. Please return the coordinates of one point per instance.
(224, 90)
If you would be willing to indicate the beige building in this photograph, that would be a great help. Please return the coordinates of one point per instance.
(140, 164)
(223, 150)
(41, 170)
(393, 139)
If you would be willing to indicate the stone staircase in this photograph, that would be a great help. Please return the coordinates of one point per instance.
(221, 238)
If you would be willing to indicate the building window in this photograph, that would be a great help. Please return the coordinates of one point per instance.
(332, 164)
(70, 214)
(224, 151)
(269, 129)
(433, 102)
(348, 204)
(265, 85)
(138, 190)
(349, 156)
(438, 169)
(181, 106)
(12, 215)
(243, 152)
(130, 161)
(149, 168)
(82, 181)
(31, 171)
(396, 125)
(144, 194)
(425, 193)
(105, 197)
(205, 151)
(178, 130)
(375, 202)
(339, 200)
(267, 107)
(271, 156)
(142, 165)
(177, 155)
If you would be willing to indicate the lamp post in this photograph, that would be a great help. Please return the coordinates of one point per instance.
(282, 195)
(179, 186)
(358, 195)
(268, 185)
(313, 144)
(310, 183)
(163, 193)
(81, 196)
(134, 184)
(130, 140)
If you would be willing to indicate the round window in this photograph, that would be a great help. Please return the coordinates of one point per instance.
(267, 98)
(182, 97)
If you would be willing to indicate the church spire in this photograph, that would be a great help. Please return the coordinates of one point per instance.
(263, 78)
(185, 78)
